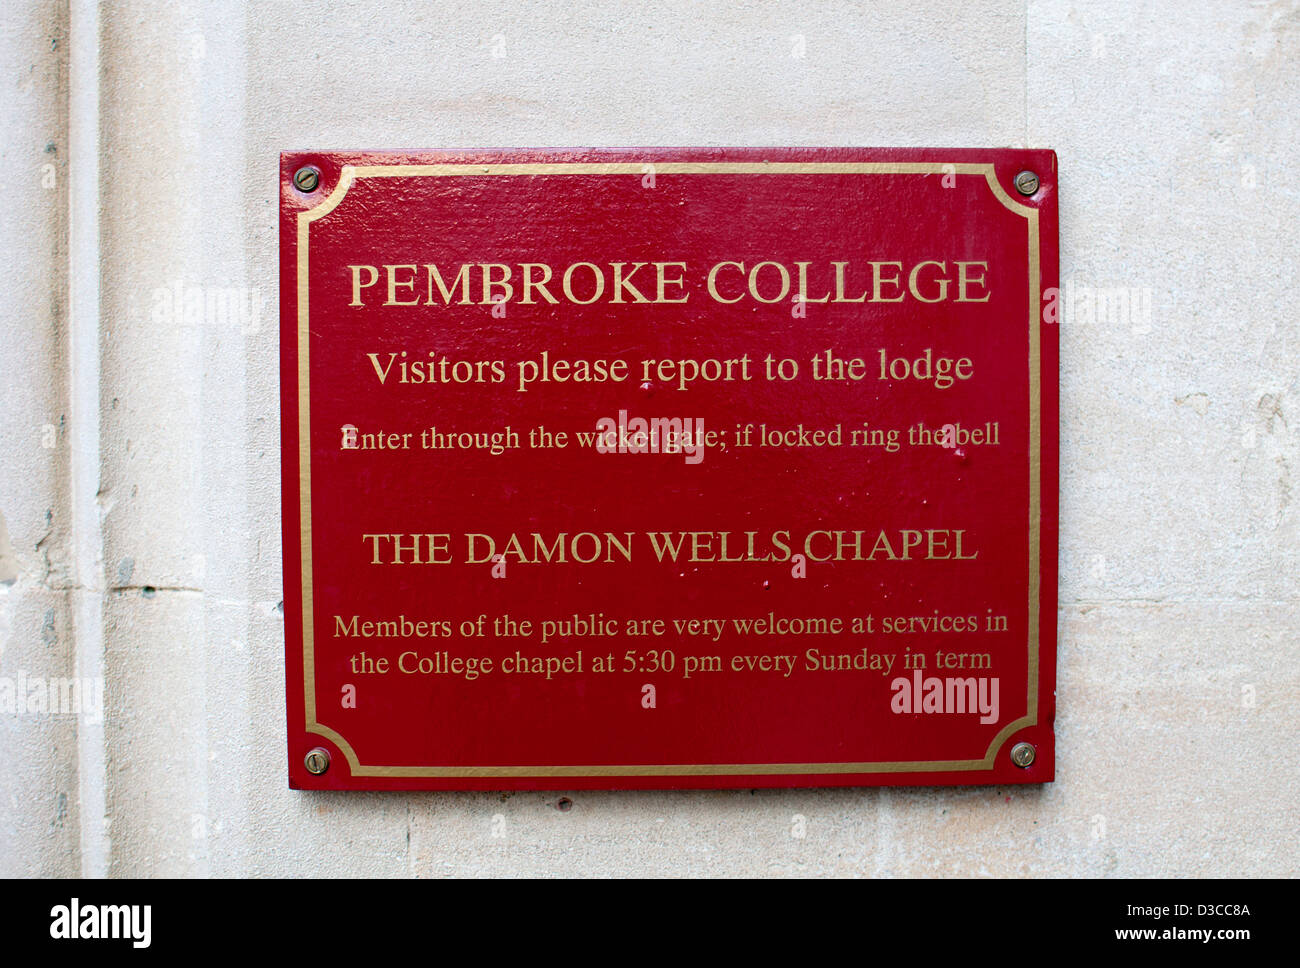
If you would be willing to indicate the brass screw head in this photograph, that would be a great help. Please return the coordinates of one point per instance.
(1026, 183)
(317, 761)
(1022, 754)
(305, 180)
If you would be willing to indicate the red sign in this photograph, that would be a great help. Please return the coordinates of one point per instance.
(669, 467)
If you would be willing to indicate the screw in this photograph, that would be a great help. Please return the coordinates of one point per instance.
(318, 761)
(305, 180)
(1022, 754)
(1026, 183)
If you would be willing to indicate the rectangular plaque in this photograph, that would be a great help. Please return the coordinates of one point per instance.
(669, 467)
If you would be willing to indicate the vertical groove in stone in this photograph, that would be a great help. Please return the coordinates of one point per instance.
(83, 397)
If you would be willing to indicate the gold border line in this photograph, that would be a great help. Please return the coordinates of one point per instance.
(348, 177)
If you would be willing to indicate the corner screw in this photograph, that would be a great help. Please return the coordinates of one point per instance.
(1026, 183)
(305, 180)
(1022, 754)
(318, 761)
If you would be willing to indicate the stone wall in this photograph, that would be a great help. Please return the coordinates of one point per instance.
(139, 476)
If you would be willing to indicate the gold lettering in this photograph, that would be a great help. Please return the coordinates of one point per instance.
(664, 281)
(877, 280)
(358, 285)
(539, 285)
(712, 281)
(963, 279)
(942, 280)
(393, 284)
(462, 280)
